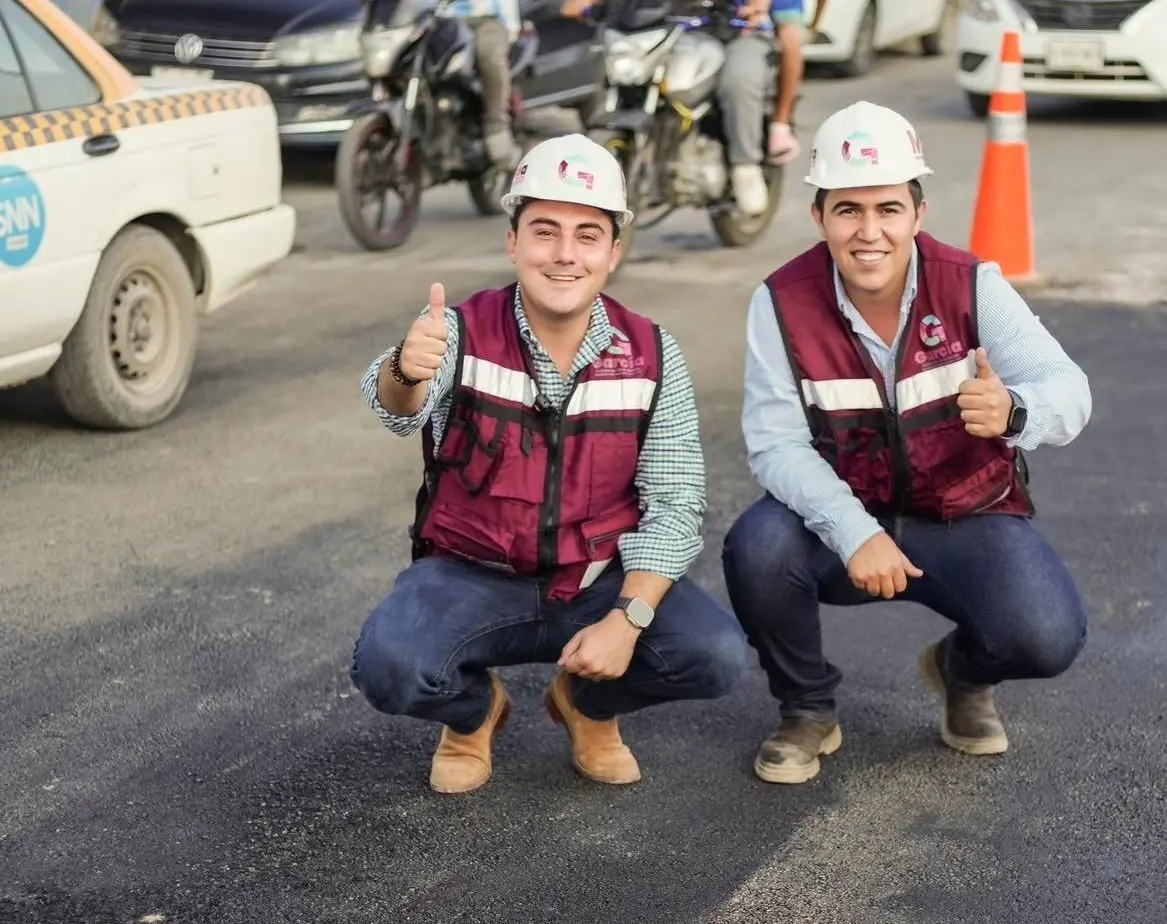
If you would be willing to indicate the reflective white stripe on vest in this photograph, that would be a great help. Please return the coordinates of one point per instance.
(842, 394)
(932, 385)
(611, 395)
(497, 381)
(594, 570)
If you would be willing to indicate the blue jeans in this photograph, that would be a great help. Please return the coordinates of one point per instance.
(1016, 610)
(424, 651)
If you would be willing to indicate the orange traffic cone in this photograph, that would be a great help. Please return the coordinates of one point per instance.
(1003, 224)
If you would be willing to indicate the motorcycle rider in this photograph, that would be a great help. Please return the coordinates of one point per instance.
(742, 92)
(496, 25)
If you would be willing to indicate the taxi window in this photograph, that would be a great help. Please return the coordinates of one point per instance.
(14, 98)
(57, 81)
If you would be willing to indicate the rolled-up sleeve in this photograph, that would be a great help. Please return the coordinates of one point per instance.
(670, 477)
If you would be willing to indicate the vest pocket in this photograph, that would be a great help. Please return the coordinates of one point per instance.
(602, 535)
(473, 452)
(612, 471)
(984, 488)
(463, 533)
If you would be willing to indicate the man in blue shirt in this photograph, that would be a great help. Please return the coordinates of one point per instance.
(744, 82)
(884, 439)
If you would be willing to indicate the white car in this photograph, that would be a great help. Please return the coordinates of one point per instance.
(1101, 49)
(127, 209)
(853, 32)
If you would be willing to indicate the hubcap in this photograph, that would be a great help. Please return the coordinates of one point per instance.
(139, 330)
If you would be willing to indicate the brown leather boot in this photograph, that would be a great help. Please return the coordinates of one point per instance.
(597, 751)
(968, 720)
(463, 762)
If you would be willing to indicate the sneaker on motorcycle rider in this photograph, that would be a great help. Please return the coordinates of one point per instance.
(502, 149)
(749, 188)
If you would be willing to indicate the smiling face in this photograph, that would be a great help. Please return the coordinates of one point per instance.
(869, 232)
(563, 254)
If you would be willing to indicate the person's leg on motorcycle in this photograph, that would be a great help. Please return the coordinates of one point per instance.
(742, 86)
(783, 146)
(492, 57)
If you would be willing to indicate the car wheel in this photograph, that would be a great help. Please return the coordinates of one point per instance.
(127, 361)
(932, 45)
(978, 103)
(863, 55)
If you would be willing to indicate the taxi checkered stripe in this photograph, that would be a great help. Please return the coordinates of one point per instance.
(85, 121)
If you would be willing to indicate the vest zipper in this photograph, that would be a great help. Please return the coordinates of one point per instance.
(553, 489)
(903, 477)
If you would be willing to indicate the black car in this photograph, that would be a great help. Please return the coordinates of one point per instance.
(305, 53)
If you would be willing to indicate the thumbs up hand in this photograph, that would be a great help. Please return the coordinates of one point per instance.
(984, 401)
(425, 344)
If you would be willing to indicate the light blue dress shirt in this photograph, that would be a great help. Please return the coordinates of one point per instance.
(1027, 358)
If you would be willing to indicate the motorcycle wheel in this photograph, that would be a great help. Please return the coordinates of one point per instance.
(487, 190)
(364, 166)
(734, 229)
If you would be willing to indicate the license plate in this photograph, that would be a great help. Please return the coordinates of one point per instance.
(183, 74)
(1075, 56)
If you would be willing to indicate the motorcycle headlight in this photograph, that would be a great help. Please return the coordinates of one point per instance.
(104, 27)
(380, 48)
(628, 55)
(321, 46)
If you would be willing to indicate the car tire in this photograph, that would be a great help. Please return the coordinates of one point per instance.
(978, 103)
(863, 56)
(932, 45)
(127, 362)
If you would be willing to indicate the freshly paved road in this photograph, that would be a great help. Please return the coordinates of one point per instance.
(179, 739)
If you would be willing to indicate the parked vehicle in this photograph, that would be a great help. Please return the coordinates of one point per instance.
(307, 54)
(127, 209)
(853, 32)
(1107, 49)
(662, 119)
(422, 125)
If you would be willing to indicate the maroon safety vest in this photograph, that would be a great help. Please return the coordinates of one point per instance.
(520, 485)
(919, 460)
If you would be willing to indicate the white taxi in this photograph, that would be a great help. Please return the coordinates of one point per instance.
(127, 209)
(1100, 49)
(851, 33)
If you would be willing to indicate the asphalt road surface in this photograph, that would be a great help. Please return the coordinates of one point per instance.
(179, 741)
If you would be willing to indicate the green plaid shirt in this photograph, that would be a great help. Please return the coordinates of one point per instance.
(670, 473)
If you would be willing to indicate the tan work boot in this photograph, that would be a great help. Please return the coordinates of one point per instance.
(968, 720)
(463, 762)
(597, 751)
(791, 754)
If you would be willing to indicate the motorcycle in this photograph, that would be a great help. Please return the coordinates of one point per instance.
(662, 120)
(422, 124)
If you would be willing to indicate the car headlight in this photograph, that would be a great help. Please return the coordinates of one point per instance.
(321, 46)
(104, 27)
(983, 10)
(628, 56)
(380, 48)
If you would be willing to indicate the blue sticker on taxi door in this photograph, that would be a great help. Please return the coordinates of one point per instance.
(22, 217)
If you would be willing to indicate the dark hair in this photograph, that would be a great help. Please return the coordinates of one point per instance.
(914, 187)
(525, 202)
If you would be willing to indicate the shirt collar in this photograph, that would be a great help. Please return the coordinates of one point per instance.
(601, 332)
(844, 302)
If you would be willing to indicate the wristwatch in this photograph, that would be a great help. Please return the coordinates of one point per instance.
(639, 613)
(1018, 417)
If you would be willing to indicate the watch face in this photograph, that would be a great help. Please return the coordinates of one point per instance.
(639, 612)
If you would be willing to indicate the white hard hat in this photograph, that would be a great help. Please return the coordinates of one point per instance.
(865, 145)
(570, 168)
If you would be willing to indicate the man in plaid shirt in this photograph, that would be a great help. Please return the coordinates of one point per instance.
(563, 500)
